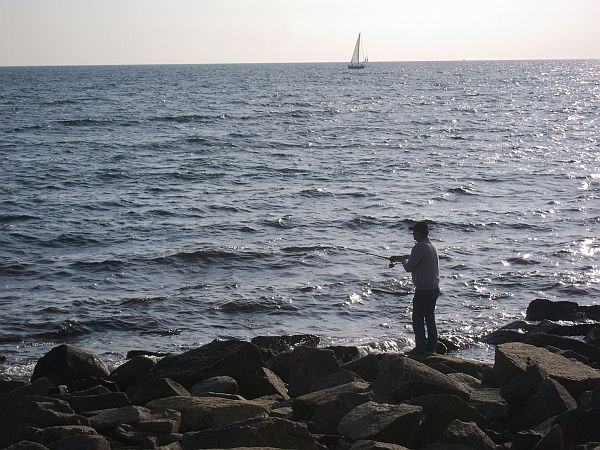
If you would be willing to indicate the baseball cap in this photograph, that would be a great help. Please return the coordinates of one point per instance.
(421, 227)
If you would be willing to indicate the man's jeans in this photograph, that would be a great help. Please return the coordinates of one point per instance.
(424, 313)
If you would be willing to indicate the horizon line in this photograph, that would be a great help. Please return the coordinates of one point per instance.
(289, 62)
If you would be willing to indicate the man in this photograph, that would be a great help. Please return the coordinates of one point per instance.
(422, 263)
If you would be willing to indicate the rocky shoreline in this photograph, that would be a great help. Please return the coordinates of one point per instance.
(285, 392)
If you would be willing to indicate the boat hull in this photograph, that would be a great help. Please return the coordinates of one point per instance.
(356, 66)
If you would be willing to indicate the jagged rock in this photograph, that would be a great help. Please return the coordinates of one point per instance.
(489, 403)
(504, 335)
(489, 378)
(27, 445)
(199, 413)
(223, 384)
(543, 340)
(466, 433)
(55, 433)
(337, 379)
(396, 424)
(512, 360)
(580, 426)
(285, 412)
(130, 435)
(258, 432)
(325, 408)
(266, 382)
(108, 419)
(40, 387)
(526, 440)
(374, 445)
(518, 331)
(308, 366)
(165, 421)
(441, 409)
(344, 353)
(7, 385)
(540, 309)
(128, 372)
(280, 365)
(67, 363)
(550, 399)
(81, 442)
(366, 367)
(221, 395)
(469, 382)
(95, 390)
(551, 441)
(154, 389)
(593, 337)
(90, 382)
(403, 378)
(473, 368)
(237, 359)
(517, 391)
(83, 403)
(285, 343)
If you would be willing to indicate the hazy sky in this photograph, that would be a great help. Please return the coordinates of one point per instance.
(57, 32)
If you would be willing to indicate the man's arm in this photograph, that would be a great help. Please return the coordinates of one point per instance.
(413, 260)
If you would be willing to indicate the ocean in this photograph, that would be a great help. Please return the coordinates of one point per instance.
(161, 207)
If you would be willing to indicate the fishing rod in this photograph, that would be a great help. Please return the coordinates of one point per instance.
(370, 254)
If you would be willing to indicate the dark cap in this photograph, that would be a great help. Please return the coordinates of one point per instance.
(421, 227)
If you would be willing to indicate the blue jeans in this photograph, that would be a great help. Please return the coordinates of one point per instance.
(424, 313)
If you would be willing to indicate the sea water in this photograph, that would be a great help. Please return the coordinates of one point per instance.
(162, 207)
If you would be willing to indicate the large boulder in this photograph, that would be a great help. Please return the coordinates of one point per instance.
(84, 403)
(200, 413)
(55, 433)
(108, 419)
(266, 382)
(307, 366)
(258, 432)
(396, 424)
(128, 372)
(541, 309)
(473, 368)
(237, 359)
(222, 384)
(466, 433)
(580, 426)
(366, 367)
(512, 360)
(375, 445)
(67, 363)
(160, 388)
(489, 403)
(402, 378)
(543, 340)
(81, 442)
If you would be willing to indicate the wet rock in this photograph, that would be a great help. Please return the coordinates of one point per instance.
(540, 309)
(512, 360)
(224, 384)
(345, 354)
(128, 372)
(108, 419)
(374, 445)
(550, 399)
(326, 408)
(154, 389)
(551, 441)
(81, 442)
(440, 410)
(134, 353)
(199, 413)
(237, 359)
(67, 363)
(266, 382)
(83, 403)
(473, 368)
(396, 424)
(403, 378)
(543, 340)
(258, 432)
(466, 433)
(593, 337)
(280, 344)
(366, 367)
(307, 367)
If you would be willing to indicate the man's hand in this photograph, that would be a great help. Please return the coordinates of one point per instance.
(396, 258)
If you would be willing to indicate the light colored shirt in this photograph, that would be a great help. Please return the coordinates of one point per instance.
(423, 265)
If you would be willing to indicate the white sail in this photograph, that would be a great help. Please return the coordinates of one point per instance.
(356, 53)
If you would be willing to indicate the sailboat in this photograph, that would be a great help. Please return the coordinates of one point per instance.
(355, 62)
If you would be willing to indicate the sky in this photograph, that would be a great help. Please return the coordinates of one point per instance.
(83, 32)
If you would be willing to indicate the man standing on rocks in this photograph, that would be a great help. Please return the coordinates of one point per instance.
(422, 263)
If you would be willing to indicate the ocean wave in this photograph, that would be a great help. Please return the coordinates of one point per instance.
(209, 256)
(83, 122)
(6, 218)
(67, 330)
(70, 239)
(245, 306)
(107, 265)
(189, 118)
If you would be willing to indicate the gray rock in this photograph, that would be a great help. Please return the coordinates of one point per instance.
(526, 440)
(200, 413)
(259, 432)
(512, 360)
(593, 337)
(543, 340)
(237, 359)
(337, 379)
(307, 367)
(396, 424)
(81, 442)
(165, 421)
(517, 391)
(366, 367)
(466, 433)
(266, 382)
(55, 433)
(550, 399)
(154, 389)
(469, 382)
(108, 419)
(223, 384)
(473, 368)
(84, 403)
(128, 372)
(403, 378)
(326, 408)
(440, 410)
(27, 445)
(130, 435)
(489, 403)
(540, 309)
(580, 426)
(551, 441)
(67, 363)
(374, 445)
